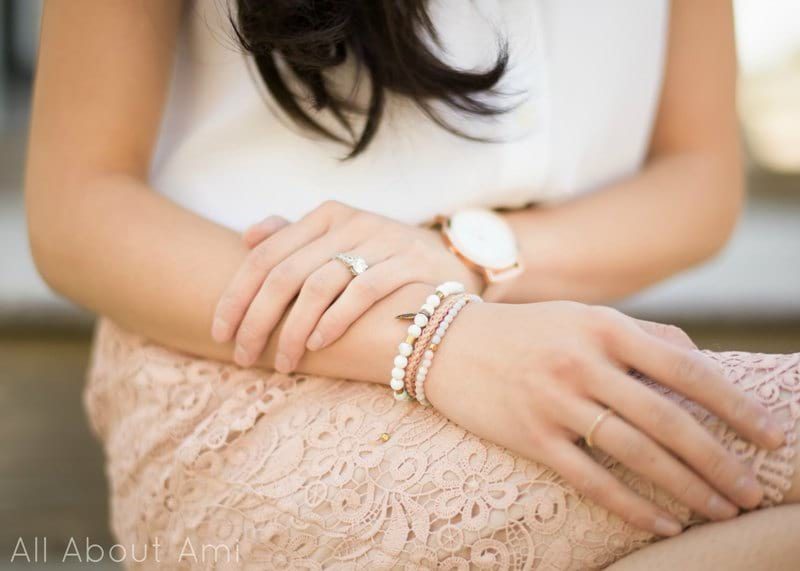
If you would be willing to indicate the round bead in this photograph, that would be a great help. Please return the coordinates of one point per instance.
(441, 330)
(420, 320)
(428, 354)
(400, 361)
(397, 384)
(426, 363)
(398, 373)
(433, 300)
(405, 349)
(449, 318)
(436, 339)
(414, 330)
(422, 371)
(429, 308)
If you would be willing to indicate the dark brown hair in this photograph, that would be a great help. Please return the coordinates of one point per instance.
(309, 38)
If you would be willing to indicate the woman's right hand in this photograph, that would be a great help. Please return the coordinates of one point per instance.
(534, 377)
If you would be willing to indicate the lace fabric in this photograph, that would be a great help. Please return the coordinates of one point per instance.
(282, 471)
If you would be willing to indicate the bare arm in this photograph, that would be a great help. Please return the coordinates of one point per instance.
(678, 210)
(99, 234)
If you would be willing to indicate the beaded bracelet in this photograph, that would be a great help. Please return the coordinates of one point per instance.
(436, 340)
(421, 352)
(414, 331)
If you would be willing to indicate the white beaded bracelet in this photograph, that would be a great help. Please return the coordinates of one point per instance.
(414, 331)
(427, 360)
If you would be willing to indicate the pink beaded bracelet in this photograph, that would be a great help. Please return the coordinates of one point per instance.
(421, 346)
(435, 341)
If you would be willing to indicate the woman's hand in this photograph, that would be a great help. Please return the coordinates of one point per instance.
(294, 260)
(535, 377)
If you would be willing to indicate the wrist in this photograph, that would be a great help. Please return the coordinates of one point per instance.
(458, 358)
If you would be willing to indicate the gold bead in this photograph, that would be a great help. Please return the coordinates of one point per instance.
(410, 339)
(385, 437)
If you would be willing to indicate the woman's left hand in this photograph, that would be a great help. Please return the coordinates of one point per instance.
(295, 260)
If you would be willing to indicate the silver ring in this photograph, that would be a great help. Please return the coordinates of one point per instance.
(356, 264)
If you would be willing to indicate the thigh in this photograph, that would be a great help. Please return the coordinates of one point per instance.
(309, 472)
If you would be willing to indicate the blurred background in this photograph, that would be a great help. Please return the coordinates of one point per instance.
(51, 474)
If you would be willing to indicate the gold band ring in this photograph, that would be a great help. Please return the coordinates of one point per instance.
(597, 422)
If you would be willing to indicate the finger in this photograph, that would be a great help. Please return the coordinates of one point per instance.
(260, 231)
(245, 284)
(669, 333)
(279, 288)
(316, 295)
(599, 485)
(696, 376)
(641, 454)
(678, 431)
(359, 295)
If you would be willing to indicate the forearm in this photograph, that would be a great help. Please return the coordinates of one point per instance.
(126, 252)
(677, 211)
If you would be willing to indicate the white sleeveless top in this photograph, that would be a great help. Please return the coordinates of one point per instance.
(588, 74)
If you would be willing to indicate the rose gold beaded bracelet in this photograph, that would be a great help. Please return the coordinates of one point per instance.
(421, 346)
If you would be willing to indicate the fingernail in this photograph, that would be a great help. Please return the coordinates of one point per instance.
(771, 431)
(721, 508)
(219, 330)
(667, 526)
(282, 363)
(314, 341)
(241, 356)
(749, 486)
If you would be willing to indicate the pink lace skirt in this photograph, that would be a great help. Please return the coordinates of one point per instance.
(226, 467)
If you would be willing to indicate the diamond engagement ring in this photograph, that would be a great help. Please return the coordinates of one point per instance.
(356, 264)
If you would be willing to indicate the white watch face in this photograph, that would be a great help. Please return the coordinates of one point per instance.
(484, 238)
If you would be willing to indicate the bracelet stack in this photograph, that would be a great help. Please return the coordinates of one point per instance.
(425, 334)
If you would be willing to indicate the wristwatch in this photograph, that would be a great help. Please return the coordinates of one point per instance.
(485, 243)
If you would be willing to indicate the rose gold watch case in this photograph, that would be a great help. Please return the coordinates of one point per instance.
(489, 275)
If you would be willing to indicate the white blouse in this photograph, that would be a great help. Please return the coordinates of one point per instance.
(587, 77)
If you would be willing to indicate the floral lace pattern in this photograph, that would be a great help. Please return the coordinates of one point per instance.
(304, 472)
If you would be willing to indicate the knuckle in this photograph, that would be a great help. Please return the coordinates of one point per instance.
(260, 256)
(674, 332)
(591, 487)
(567, 364)
(331, 206)
(717, 464)
(605, 312)
(364, 288)
(634, 450)
(664, 417)
(739, 407)
(316, 286)
(684, 491)
(605, 322)
(688, 371)
(247, 336)
(282, 275)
